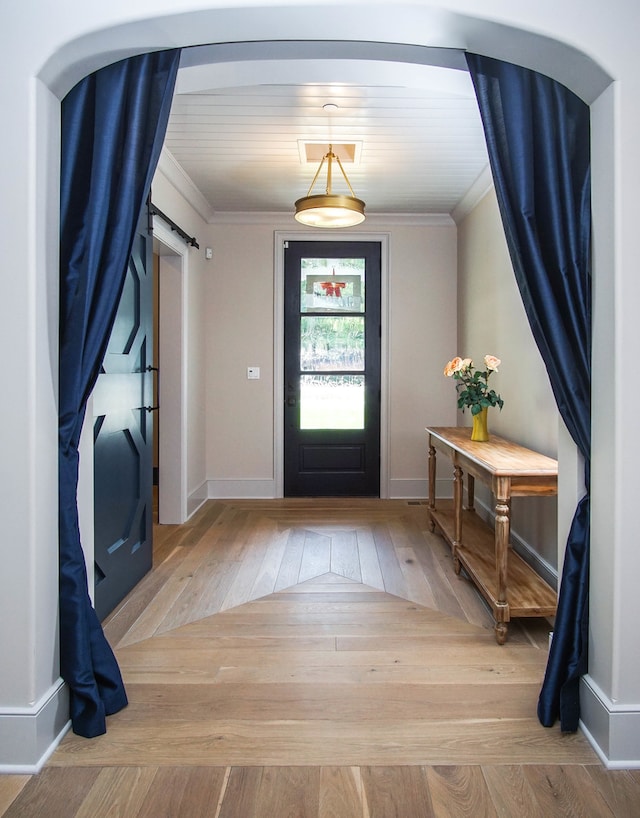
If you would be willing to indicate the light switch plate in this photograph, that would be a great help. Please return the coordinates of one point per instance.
(253, 373)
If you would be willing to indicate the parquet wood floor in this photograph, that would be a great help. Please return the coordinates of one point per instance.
(319, 658)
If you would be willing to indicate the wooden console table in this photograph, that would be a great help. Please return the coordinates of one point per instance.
(511, 587)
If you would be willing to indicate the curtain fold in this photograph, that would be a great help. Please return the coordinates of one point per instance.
(113, 127)
(538, 138)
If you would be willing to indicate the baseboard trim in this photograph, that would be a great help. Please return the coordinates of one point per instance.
(29, 735)
(444, 488)
(241, 489)
(408, 489)
(197, 499)
(613, 730)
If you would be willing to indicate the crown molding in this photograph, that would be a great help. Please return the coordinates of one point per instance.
(476, 193)
(183, 183)
(372, 219)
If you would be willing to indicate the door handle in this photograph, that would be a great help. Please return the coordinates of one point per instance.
(291, 400)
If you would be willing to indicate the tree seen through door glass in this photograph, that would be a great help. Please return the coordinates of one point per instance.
(332, 340)
(331, 343)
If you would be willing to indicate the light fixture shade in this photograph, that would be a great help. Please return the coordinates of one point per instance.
(329, 209)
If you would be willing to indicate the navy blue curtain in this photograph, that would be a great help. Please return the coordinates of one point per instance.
(538, 138)
(113, 126)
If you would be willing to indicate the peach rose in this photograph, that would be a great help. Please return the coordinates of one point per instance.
(492, 363)
(453, 366)
(467, 363)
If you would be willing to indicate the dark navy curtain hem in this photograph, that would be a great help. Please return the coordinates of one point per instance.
(568, 656)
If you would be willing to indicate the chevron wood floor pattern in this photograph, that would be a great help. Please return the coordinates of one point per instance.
(319, 658)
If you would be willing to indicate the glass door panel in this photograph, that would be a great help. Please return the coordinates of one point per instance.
(332, 401)
(332, 285)
(331, 344)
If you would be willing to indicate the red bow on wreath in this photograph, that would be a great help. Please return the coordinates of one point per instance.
(333, 287)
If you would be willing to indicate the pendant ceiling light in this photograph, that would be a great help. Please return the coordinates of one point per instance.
(329, 209)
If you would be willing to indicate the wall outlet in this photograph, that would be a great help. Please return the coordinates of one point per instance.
(253, 373)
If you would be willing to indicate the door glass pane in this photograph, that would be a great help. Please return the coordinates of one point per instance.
(331, 343)
(332, 285)
(332, 401)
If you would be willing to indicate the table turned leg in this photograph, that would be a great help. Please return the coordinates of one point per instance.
(502, 535)
(501, 632)
(432, 486)
(458, 489)
(502, 544)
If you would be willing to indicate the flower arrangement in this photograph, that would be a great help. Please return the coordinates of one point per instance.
(473, 384)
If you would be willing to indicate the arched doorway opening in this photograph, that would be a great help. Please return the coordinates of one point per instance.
(87, 53)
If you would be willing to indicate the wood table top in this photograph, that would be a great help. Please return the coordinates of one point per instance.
(497, 456)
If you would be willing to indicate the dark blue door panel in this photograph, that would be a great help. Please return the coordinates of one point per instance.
(123, 437)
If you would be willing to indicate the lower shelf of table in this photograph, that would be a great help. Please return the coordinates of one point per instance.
(527, 593)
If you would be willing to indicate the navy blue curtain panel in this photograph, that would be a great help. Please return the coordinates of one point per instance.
(113, 127)
(538, 138)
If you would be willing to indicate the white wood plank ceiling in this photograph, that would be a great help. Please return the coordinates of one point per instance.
(417, 131)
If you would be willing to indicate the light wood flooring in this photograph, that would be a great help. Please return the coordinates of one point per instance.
(294, 658)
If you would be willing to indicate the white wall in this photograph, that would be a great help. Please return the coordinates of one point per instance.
(611, 690)
(492, 321)
(48, 47)
(422, 329)
(239, 305)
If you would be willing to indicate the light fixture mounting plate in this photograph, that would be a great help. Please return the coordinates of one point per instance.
(312, 151)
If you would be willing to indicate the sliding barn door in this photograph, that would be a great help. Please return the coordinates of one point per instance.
(123, 438)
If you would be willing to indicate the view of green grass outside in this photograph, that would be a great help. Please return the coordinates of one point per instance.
(332, 402)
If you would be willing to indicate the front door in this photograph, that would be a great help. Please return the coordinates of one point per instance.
(332, 369)
(123, 438)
